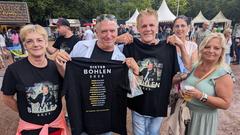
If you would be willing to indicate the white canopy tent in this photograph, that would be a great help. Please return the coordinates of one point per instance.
(164, 14)
(199, 18)
(220, 18)
(133, 20)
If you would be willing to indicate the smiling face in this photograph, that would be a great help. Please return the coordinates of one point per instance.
(180, 28)
(212, 51)
(106, 31)
(148, 28)
(35, 44)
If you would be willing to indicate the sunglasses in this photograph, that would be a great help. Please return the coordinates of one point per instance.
(105, 17)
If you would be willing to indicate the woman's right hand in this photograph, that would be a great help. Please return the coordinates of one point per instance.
(175, 40)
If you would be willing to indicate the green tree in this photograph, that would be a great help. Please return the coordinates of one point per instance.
(41, 10)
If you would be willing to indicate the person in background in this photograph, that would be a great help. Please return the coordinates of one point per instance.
(2, 48)
(227, 34)
(213, 86)
(187, 50)
(236, 42)
(66, 40)
(162, 35)
(121, 29)
(88, 34)
(25, 79)
(131, 30)
(202, 33)
(15, 38)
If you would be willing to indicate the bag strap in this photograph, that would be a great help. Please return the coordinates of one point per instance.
(206, 75)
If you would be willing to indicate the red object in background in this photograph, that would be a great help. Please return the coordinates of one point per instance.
(88, 24)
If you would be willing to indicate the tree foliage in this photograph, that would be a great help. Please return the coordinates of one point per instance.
(41, 10)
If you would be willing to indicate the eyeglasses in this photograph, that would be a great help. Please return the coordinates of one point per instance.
(105, 17)
(32, 41)
(180, 26)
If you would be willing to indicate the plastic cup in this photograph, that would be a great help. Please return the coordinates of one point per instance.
(186, 88)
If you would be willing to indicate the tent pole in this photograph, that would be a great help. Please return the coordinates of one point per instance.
(177, 7)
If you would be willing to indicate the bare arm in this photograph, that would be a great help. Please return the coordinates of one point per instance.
(194, 56)
(224, 92)
(125, 38)
(174, 40)
(185, 58)
(51, 50)
(61, 58)
(10, 101)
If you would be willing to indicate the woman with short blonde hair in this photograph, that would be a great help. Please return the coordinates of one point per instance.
(40, 113)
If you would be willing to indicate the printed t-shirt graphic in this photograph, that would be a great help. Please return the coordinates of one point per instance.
(150, 73)
(158, 64)
(95, 94)
(42, 98)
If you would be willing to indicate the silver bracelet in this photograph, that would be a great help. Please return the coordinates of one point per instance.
(204, 97)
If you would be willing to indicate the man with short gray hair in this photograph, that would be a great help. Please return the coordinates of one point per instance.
(85, 116)
(202, 33)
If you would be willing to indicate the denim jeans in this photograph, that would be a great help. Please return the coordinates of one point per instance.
(145, 125)
(228, 58)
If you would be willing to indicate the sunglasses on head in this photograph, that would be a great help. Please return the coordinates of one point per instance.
(105, 17)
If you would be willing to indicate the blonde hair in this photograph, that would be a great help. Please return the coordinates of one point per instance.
(32, 28)
(228, 30)
(205, 42)
(146, 12)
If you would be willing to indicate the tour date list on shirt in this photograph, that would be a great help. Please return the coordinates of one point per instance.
(97, 91)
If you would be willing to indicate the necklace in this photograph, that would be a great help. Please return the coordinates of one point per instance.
(40, 63)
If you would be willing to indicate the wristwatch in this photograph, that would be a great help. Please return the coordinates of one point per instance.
(204, 97)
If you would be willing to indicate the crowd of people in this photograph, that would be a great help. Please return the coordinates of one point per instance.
(95, 74)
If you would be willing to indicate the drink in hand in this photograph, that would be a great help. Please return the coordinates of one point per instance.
(186, 88)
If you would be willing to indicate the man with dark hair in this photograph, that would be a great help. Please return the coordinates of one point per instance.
(66, 40)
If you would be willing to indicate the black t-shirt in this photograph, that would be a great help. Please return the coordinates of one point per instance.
(158, 64)
(38, 91)
(66, 44)
(96, 96)
(99, 54)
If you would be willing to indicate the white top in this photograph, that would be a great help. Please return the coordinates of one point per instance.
(2, 41)
(228, 45)
(88, 35)
(85, 48)
(190, 48)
